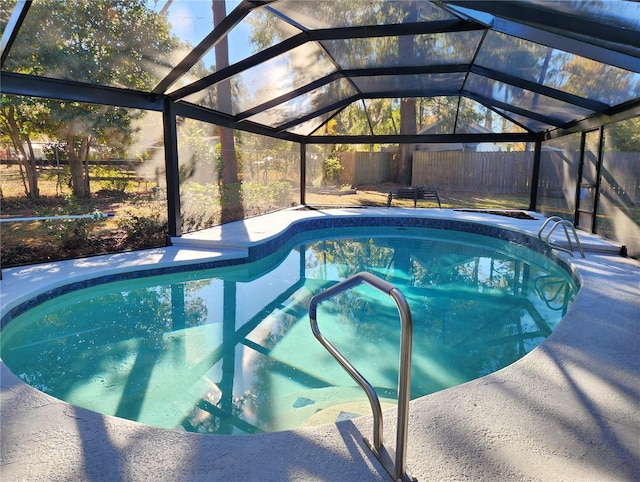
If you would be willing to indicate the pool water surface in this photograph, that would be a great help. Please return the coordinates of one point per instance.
(230, 350)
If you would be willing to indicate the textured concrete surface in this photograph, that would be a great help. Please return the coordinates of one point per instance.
(569, 410)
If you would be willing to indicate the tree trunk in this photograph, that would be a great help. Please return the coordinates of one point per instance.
(408, 124)
(85, 145)
(230, 189)
(31, 168)
(27, 158)
(76, 168)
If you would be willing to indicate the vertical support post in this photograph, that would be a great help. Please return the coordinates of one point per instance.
(535, 176)
(583, 143)
(596, 197)
(303, 172)
(171, 168)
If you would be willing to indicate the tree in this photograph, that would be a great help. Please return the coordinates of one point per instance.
(19, 117)
(231, 201)
(408, 123)
(99, 42)
(625, 136)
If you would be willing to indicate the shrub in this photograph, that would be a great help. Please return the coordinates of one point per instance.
(110, 178)
(71, 233)
(331, 169)
(141, 228)
(199, 205)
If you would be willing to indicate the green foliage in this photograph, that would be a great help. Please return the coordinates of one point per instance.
(331, 169)
(219, 157)
(202, 204)
(231, 202)
(140, 227)
(71, 233)
(54, 152)
(111, 178)
(74, 233)
(264, 198)
(198, 152)
(100, 42)
(625, 136)
(231, 194)
(60, 174)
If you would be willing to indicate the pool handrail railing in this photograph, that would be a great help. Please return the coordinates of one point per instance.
(397, 469)
(558, 221)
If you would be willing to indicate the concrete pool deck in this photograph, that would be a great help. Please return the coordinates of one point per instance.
(569, 410)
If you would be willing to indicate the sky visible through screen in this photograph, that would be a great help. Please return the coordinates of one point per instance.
(192, 21)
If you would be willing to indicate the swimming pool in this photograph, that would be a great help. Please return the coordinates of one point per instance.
(234, 342)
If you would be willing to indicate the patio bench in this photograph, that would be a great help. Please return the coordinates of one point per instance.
(415, 193)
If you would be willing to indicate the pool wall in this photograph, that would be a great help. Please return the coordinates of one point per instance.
(569, 410)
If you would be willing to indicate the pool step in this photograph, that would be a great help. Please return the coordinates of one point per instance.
(322, 406)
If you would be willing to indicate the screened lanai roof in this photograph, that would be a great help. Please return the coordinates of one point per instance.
(336, 70)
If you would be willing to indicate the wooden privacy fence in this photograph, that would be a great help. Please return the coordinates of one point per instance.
(495, 172)
(365, 167)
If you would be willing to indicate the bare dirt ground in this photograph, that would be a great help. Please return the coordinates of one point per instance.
(42, 241)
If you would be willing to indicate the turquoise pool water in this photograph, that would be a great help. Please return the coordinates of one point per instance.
(230, 350)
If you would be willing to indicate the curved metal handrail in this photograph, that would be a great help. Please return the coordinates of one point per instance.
(398, 469)
(558, 221)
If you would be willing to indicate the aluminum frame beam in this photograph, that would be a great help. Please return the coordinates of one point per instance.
(541, 89)
(489, 103)
(29, 85)
(354, 73)
(547, 37)
(230, 21)
(441, 26)
(422, 138)
(13, 27)
(552, 20)
(619, 113)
